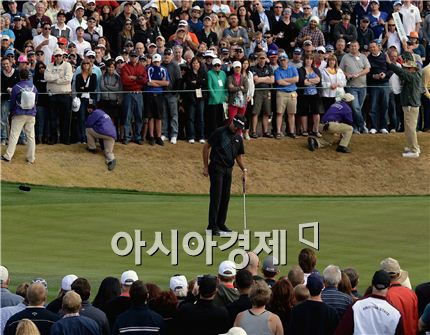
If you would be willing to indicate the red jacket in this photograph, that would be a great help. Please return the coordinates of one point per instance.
(133, 84)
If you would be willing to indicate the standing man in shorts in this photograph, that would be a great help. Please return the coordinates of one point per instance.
(225, 146)
(158, 78)
(286, 77)
(263, 78)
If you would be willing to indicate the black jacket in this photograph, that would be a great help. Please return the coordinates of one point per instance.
(255, 18)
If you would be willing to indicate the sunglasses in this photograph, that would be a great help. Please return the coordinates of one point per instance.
(216, 65)
(119, 62)
(46, 28)
(58, 56)
(279, 7)
(39, 53)
(262, 58)
(390, 25)
(91, 57)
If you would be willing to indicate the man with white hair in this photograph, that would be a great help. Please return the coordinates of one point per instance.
(226, 292)
(330, 295)
(312, 32)
(7, 298)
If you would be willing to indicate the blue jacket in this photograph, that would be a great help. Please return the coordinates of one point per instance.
(101, 123)
(139, 320)
(15, 98)
(338, 112)
(75, 325)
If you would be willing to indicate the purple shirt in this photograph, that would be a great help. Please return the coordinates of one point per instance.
(338, 112)
(101, 123)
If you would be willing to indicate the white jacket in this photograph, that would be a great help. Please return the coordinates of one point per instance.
(329, 79)
(59, 78)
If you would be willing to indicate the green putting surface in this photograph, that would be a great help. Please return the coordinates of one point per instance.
(50, 232)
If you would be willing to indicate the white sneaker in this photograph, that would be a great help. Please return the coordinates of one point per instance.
(191, 141)
(202, 141)
(407, 149)
(355, 131)
(393, 130)
(373, 131)
(163, 138)
(411, 154)
(365, 130)
(247, 137)
(383, 131)
(173, 140)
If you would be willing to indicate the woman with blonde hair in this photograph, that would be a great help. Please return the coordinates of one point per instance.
(333, 82)
(26, 327)
(216, 28)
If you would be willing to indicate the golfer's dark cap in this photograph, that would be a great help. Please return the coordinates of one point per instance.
(239, 121)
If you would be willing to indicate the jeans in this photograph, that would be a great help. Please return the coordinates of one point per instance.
(42, 121)
(195, 113)
(4, 119)
(170, 116)
(379, 97)
(393, 108)
(359, 94)
(133, 106)
(80, 125)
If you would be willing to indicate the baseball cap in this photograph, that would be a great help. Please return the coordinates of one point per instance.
(225, 51)
(9, 52)
(71, 44)
(90, 53)
(31, 53)
(40, 281)
(79, 7)
(156, 58)
(4, 274)
(178, 282)
(142, 58)
(365, 18)
(168, 51)
(207, 18)
(62, 40)
(377, 1)
(128, 44)
(314, 284)
(381, 280)
(397, 3)
(209, 53)
(321, 48)
(239, 122)
(91, 18)
(133, 53)
(183, 23)
(297, 51)
(5, 37)
(61, 12)
(196, 8)
(216, 61)
(119, 58)
(17, 18)
(272, 52)
(270, 264)
(227, 268)
(207, 284)
(152, 45)
(347, 97)
(100, 46)
(283, 56)
(237, 64)
(307, 42)
(329, 48)
(66, 283)
(23, 59)
(129, 277)
(160, 38)
(235, 331)
(91, 103)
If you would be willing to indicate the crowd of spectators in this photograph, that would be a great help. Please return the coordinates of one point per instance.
(256, 300)
(169, 70)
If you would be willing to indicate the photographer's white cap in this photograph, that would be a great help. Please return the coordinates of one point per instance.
(129, 277)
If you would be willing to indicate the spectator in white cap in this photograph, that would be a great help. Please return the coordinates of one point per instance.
(121, 303)
(401, 297)
(235, 331)
(196, 25)
(179, 286)
(66, 283)
(270, 270)
(226, 292)
(77, 21)
(7, 298)
(312, 32)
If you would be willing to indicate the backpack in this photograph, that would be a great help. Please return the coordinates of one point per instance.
(28, 97)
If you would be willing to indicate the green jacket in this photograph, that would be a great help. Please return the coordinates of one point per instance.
(217, 92)
(411, 90)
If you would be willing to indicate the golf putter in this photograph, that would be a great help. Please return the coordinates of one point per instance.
(244, 203)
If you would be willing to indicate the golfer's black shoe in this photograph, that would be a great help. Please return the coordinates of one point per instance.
(312, 144)
(225, 229)
(215, 231)
(3, 158)
(93, 151)
(343, 149)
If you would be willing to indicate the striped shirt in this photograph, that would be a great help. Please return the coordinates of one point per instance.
(336, 299)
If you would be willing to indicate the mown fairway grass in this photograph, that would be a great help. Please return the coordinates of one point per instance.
(51, 232)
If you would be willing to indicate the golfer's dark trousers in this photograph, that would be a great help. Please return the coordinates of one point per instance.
(220, 178)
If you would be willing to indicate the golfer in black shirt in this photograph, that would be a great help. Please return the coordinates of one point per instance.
(225, 146)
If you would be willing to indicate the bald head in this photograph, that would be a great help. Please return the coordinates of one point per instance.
(253, 263)
(36, 295)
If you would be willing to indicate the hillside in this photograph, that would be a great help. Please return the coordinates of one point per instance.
(275, 167)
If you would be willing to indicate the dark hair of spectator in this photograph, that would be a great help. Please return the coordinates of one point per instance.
(352, 275)
(307, 260)
(154, 291)
(24, 74)
(244, 279)
(165, 304)
(344, 284)
(282, 299)
(138, 293)
(82, 287)
(110, 287)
